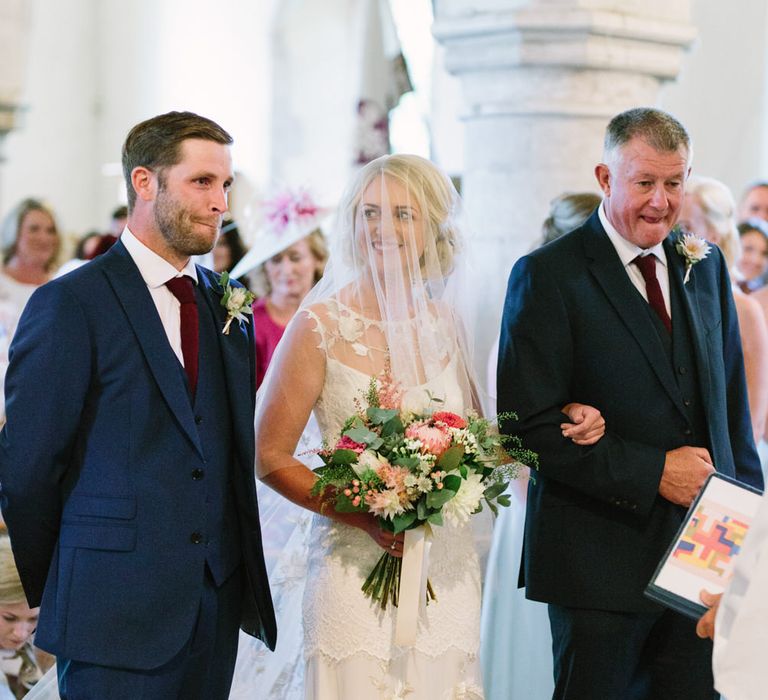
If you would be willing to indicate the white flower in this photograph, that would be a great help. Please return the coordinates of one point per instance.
(385, 504)
(368, 459)
(415, 402)
(694, 249)
(236, 299)
(465, 502)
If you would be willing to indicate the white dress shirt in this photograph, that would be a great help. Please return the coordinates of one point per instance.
(156, 271)
(629, 251)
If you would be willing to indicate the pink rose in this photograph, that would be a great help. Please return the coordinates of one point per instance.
(434, 439)
(449, 419)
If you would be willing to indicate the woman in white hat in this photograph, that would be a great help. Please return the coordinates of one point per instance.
(288, 257)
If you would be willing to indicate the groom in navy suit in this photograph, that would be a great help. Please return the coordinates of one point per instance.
(127, 460)
(604, 316)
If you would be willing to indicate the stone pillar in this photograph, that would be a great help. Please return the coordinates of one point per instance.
(541, 79)
(13, 39)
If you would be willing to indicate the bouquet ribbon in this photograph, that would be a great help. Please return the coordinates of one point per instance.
(413, 583)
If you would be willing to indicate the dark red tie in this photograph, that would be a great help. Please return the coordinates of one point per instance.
(184, 290)
(647, 265)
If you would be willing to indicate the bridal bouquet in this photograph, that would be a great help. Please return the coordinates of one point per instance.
(415, 469)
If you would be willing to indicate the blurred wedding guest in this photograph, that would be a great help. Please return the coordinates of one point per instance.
(288, 255)
(229, 249)
(86, 245)
(30, 240)
(709, 211)
(567, 212)
(98, 244)
(516, 657)
(18, 659)
(754, 202)
(752, 264)
(118, 220)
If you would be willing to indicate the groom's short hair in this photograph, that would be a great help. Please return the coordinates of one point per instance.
(156, 143)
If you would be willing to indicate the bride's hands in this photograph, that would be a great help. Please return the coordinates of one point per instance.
(393, 544)
(587, 424)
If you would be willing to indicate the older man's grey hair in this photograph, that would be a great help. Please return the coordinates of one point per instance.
(658, 129)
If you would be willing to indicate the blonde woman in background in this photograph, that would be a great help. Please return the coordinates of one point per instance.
(19, 660)
(709, 211)
(30, 241)
(567, 212)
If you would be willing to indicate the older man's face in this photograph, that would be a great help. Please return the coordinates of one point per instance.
(755, 204)
(644, 190)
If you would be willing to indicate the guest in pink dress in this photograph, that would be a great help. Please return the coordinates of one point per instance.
(287, 258)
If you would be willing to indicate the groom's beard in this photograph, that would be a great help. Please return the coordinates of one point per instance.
(183, 232)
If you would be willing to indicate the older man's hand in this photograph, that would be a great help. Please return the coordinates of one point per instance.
(685, 471)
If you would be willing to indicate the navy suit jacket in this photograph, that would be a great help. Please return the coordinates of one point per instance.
(95, 466)
(576, 329)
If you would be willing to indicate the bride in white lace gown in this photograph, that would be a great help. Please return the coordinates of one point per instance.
(385, 305)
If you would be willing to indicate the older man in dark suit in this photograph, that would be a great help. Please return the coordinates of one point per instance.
(614, 316)
(127, 459)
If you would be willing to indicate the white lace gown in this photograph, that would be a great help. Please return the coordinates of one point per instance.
(348, 640)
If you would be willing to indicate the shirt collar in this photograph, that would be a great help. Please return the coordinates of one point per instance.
(155, 270)
(628, 251)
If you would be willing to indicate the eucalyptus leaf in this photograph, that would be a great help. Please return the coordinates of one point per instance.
(436, 499)
(361, 435)
(504, 500)
(404, 520)
(379, 416)
(435, 519)
(344, 457)
(451, 458)
(393, 426)
(452, 482)
(494, 490)
(421, 509)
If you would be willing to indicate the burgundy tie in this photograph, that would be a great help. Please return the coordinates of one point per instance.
(183, 289)
(647, 265)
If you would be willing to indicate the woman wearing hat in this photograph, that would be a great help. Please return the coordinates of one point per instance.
(20, 669)
(289, 256)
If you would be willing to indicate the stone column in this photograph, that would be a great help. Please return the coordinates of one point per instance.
(13, 39)
(541, 79)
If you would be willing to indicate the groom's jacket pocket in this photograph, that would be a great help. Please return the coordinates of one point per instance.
(99, 522)
(112, 507)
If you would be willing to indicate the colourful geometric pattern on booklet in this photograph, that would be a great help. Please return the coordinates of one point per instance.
(713, 537)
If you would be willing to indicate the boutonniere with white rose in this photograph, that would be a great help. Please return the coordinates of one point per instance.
(694, 249)
(237, 301)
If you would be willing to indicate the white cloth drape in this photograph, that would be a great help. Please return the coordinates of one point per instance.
(741, 629)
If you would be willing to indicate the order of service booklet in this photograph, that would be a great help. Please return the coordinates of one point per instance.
(702, 554)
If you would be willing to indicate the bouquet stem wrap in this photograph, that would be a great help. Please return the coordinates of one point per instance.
(413, 584)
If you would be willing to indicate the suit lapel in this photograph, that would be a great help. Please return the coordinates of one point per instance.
(235, 354)
(690, 307)
(605, 265)
(136, 301)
